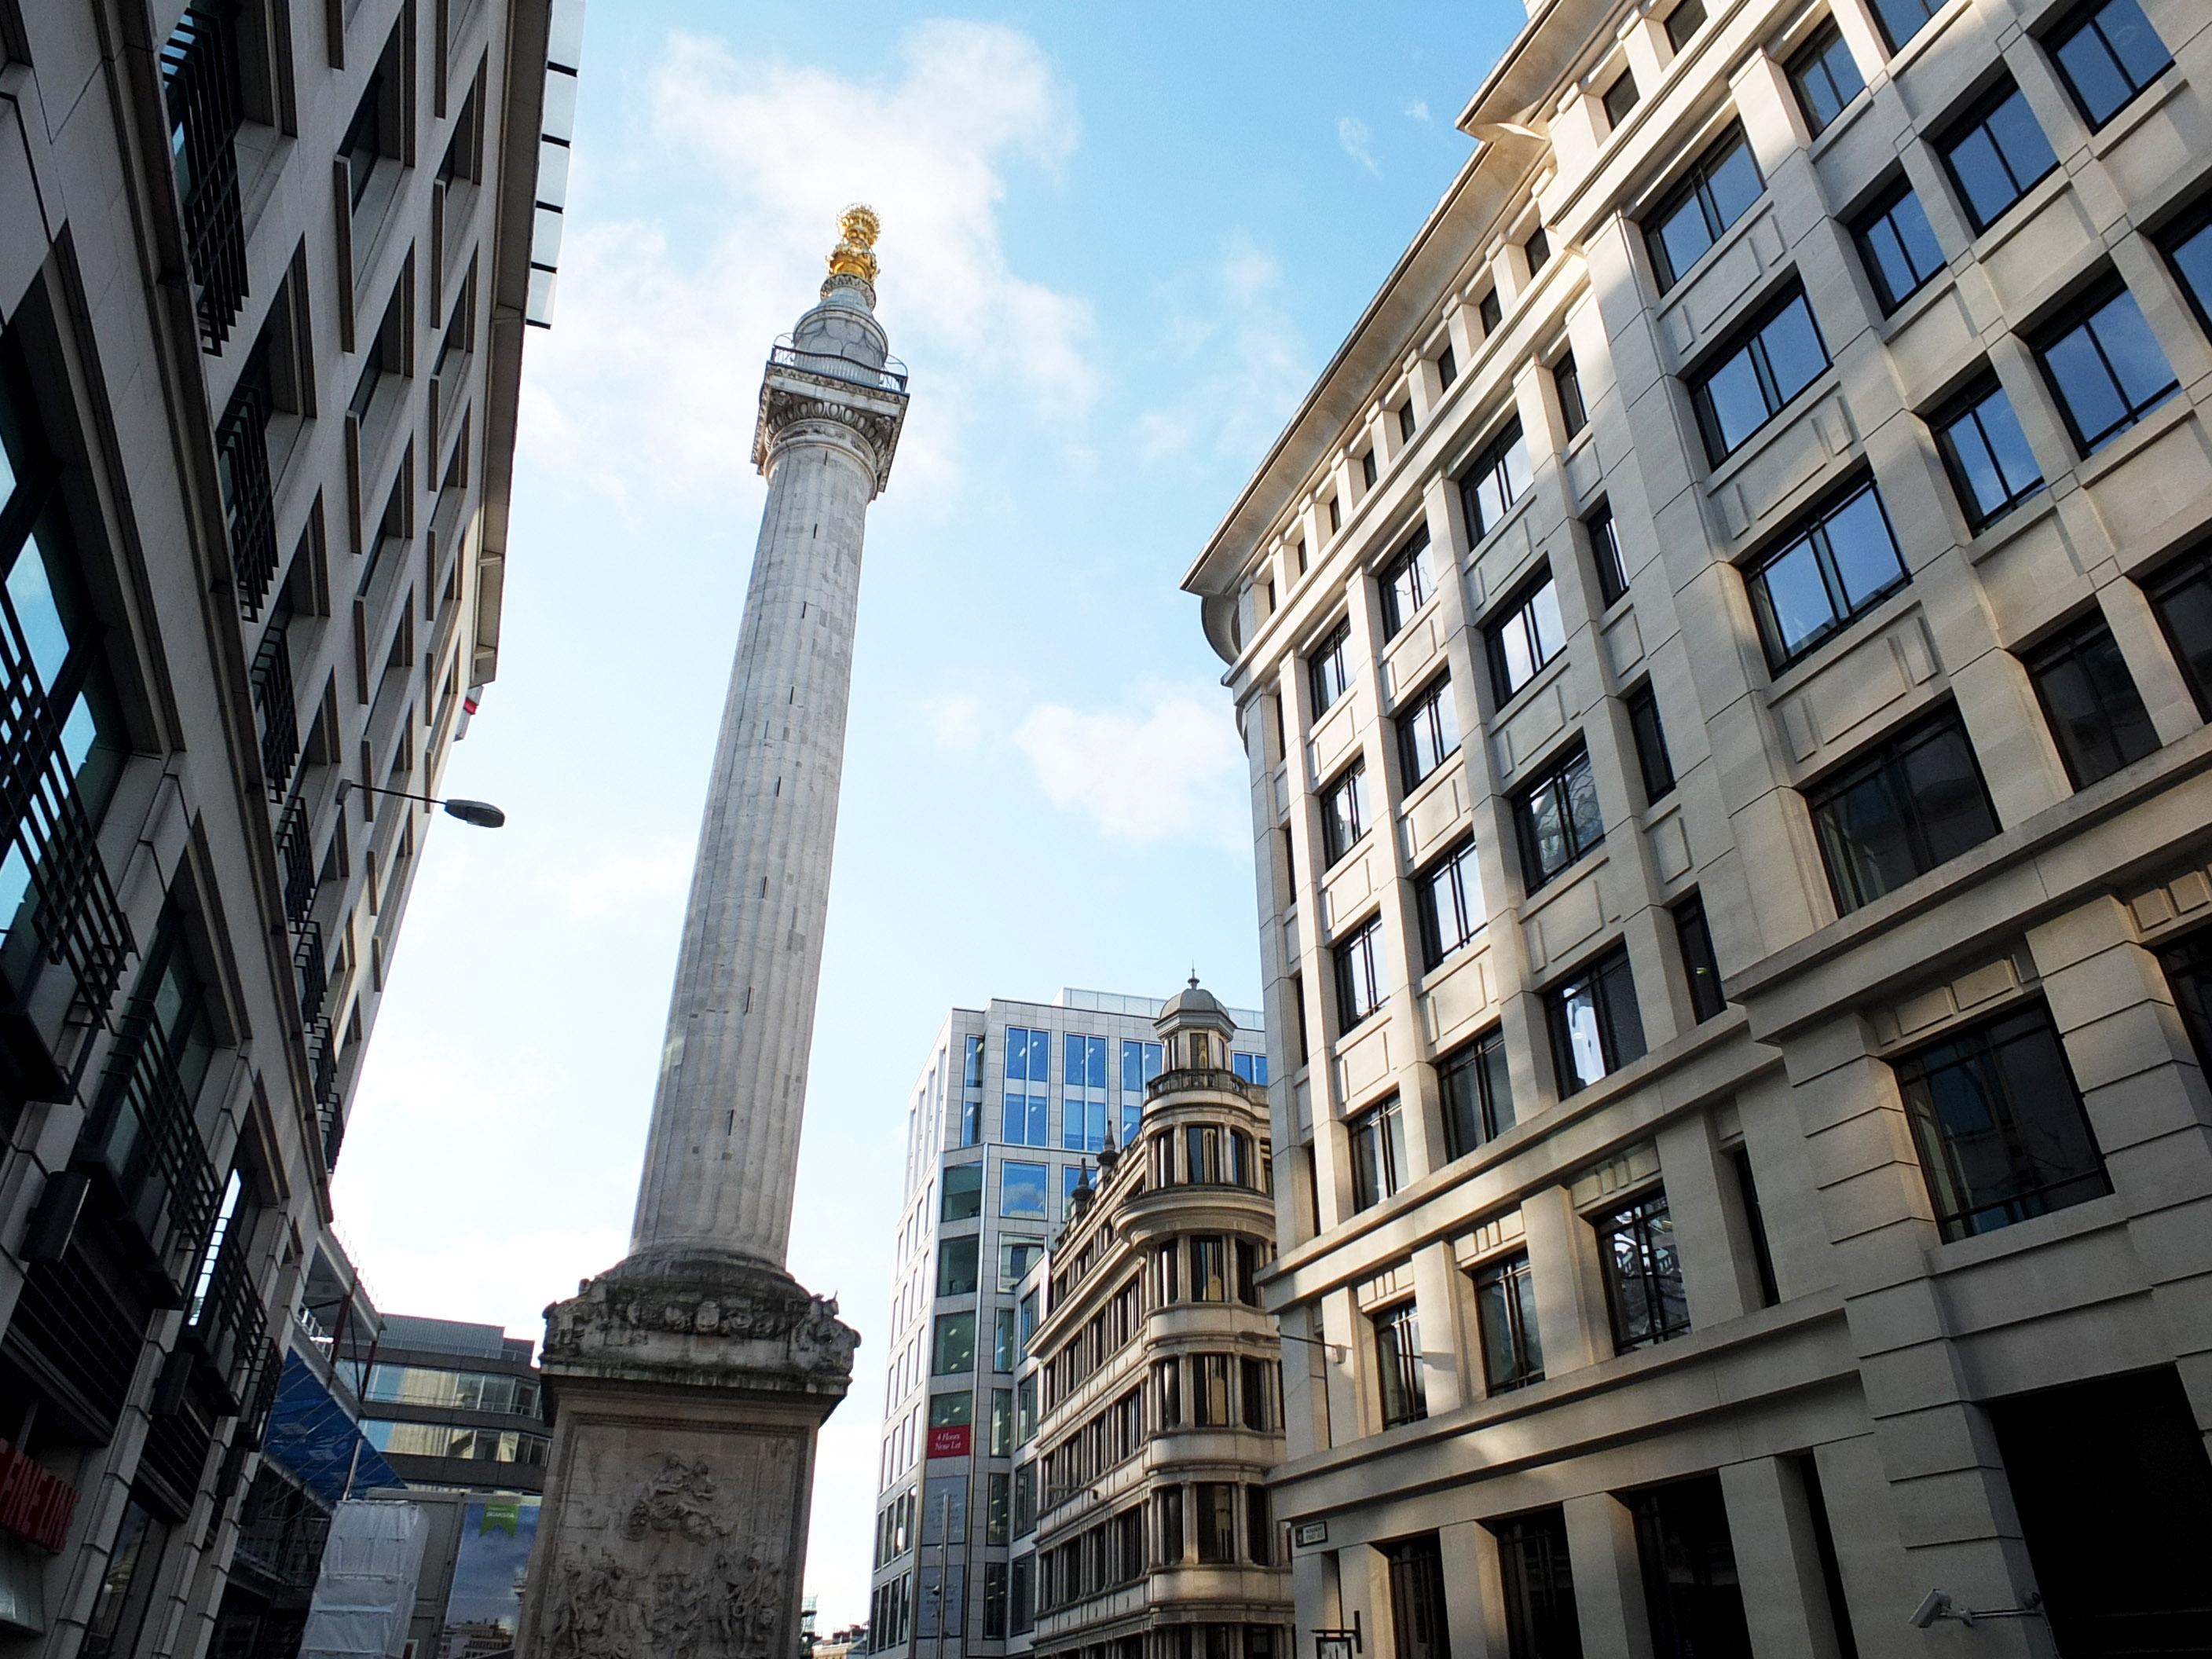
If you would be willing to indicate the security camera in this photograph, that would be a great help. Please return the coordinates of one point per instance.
(1936, 1605)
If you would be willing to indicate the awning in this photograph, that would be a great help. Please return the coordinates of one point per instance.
(312, 1440)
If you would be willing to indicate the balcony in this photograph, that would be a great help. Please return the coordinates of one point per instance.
(271, 679)
(295, 862)
(890, 377)
(145, 1137)
(323, 1063)
(249, 494)
(229, 1327)
(200, 72)
(311, 965)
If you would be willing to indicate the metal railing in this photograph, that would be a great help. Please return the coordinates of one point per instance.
(295, 861)
(280, 720)
(229, 1326)
(1201, 1076)
(199, 65)
(835, 365)
(308, 961)
(145, 1078)
(249, 495)
(323, 1062)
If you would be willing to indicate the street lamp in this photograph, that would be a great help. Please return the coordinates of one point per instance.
(481, 813)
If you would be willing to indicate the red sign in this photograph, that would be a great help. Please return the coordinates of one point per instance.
(950, 1443)
(36, 1504)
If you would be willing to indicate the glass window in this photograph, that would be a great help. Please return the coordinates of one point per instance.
(1404, 1393)
(1331, 668)
(1405, 584)
(1489, 309)
(1525, 637)
(1699, 966)
(1719, 189)
(1250, 1068)
(1259, 1392)
(1605, 554)
(2189, 251)
(1911, 803)
(1595, 1027)
(1642, 1275)
(956, 1265)
(1557, 818)
(1754, 1217)
(1651, 757)
(1836, 568)
(1685, 20)
(1407, 421)
(1825, 75)
(1446, 368)
(1368, 473)
(1999, 1124)
(1214, 1503)
(1753, 381)
(1452, 912)
(971, 1075)
(1569, 380)
(1898, 246)
(1693, 1592)
(1209, 1270)
(1024, 1119)
(1538, 1583)
(1505, 1308)
(1619, 98)
(1021, 1190)
(1016, 1257)
(1344, 813)
(963, 1199)
(971, 1121)
(952, 1347)
(2106, 368)
(1986, 453)
(1378, 1153)
(1901, 19)
(1537, 250)
(1478, 1093)
(2096, 716)
(2107, 52)
(1006, 1348)
(1029, 1056)
(1359, 984)
(1995, 155)
(2188, 965)
(952, 1411)
(2181, 594)
(1499, 477)
(1428, 732)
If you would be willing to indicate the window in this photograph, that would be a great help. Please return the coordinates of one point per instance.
(1170, 1505)
(1557, 818)
(2188, 965)
(1082, 1062)
(1005, 1347)
(1685, 20)
(1209, 1269)
(2107, 368)
(1016, 1257)
(1215, 1502)
(1450, 902)
(1405, 584)
(1595, 1027)
(971, 1076)
(1986, 453)
(1249, 1068)
(1490, 312)
(1335, 522)
(1477, 1094)
(1505, 1308)
(1999, 1125)
(952, 1347)
(1021, 1190)
(1719, 189)
(1898, 246)
(2107, 52)
(1428, 732)
(2189, 251)
(1527, 636)
(365, 140)
(1498, 477)
(1754, 380)
(1642, 1275)
(1914, 801)
(971, 1122)
(1344, 813)
(1754, 1221)
(1359, 986)
(1605, 555)
(1901, 19)
(951, 1411)
(1447, 369)
(963, 1199)
(1837, 567)
(1406, 425)
(1569, 380)
(1693, 1592)
(1417, 1610)
(1826, 76)
(1259, 1391)
(956, 1266)
(2181, 594)
(1378, 1153)
(1404, 1394)
(1167, 1392)
(1651, 758)
(1331, 668)
(1024, 1119)
(1619, 98)
(2096, 717)
(1538, 251)
(1259, 1531)
(1699, 968)
(1995, 155)
(1538, 1587)
(1368, 472)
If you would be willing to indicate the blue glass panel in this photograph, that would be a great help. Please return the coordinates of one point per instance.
(1794, 353)
(1018, 1055)
(32, 593)
(1071, 1060)
(1132, 1066)
(1866, 558)
(1796, 598)
(1739, 407)
(1040, 1056)
(2132, 350)
(1096, 1066)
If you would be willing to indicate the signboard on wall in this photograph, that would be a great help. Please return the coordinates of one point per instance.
(950, 1442)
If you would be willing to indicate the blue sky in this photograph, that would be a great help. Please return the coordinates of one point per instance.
(1119, 243)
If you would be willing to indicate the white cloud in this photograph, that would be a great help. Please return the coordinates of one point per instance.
(957, 721)
(488, 1273)
(1236, 353)
(1167, 767)
(1418, 110)
(1357, 142)
(618, 883)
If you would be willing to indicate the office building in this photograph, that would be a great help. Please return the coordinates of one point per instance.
(1016, 1101)
(1724, 652)
(453, 1405)
(263, 288)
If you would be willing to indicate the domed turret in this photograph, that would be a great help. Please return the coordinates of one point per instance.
(1196, 1029)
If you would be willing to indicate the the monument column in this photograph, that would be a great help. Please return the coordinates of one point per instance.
(688, 1381)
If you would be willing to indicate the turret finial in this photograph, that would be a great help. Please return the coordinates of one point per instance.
(855, 254)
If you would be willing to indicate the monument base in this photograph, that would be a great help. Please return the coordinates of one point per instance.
(685, 1392)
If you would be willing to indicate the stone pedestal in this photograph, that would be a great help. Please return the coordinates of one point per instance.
(686, 1394)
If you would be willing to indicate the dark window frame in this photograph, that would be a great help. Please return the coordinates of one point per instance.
(2072, 644)
(1601, 526)
(1523, 1335)
(1815, 56)
(1407, 561)
(1340, 834)
(1925, 10)
(1362, 946)
(1567, 381)
(1554, 779)
(1975, 118)
(1447, 876)
(1971, 406)
(1880, 213)
(1401, 1392)
(1750, 341)
(1812, 531)
(1885, 757)
(1694, 191)
(2088, 21)
(1654, 764)
(1493, 465)
(1482, 1061)
(1701, 967)
(1619, 98)
(1518, 611)
(1633, 1219)
(1608, 979)
(2167, 588)
(2081, 317)
(1329, 662)
(1432, 708)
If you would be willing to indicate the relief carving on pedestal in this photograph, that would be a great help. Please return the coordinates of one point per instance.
(609, 1313)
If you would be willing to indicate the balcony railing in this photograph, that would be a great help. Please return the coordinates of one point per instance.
(295, 861)
(162, 1164)
(1199, 1077)
(314, 970)
(835, 366)
(199, 65)
(280, 720)
(323, 1062)
(249, 495)
(229, 1326)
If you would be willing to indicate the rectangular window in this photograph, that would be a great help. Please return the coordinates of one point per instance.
(1170, 1504)
(2188, 965)
(1448, 894)
(995, 1594)
(1642, 1274)
(1699, 968)
(1259, 1395)
(2107, 53)
(1167, 1392)
(1719, 189)
(1082, 1062)
(1209, 1268)
(1022, 1118)
(1491, 312)
(1999, 1125)
(2181, 594)
(1477, 1094)
(1525, 637)
(1685, 20)
(1406, 421)
(1021, 1190)
(1005, 1351)
(971, 1076)
(1754, 1221)
(1913, 801)
(1505, 1308)
(1595, 1028)
(1499, 477)
(1605, 554)
(1692, 1592)
(951, 1411)
(1215, 1502)
(1330, 667)
(1335, 518)
(1016, 1257)
(1619, 98)
(1446, 368)
(971, 1122)
(956, 1266)
(2189, 251)
(2097, 719)
(1837, 567)
(1029, 1056)
(1344, 813)
(1752, 382)
(1569, 380)
(1368, 473)
(1404, 1393)
(1996, 153)
(1651, 757)
(962, 1198)
(1901, 19)
(2106, 368)
(953, 1348)
(1538, 251)
(1359, 984)
(1002, 1422)
(1378, 1153)
(1557, 818)
(1428, 732)
(1986, 453)
(1898, 246)
(1825, 75)
(1405, 584)
(1539, 1585)
(1259, 1535)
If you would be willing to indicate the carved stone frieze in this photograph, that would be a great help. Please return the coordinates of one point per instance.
(748, 1318)
(791, 402)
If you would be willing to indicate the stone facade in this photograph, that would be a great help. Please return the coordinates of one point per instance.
(1797, 1131)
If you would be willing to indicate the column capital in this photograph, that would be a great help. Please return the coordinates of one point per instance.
(834, 401)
